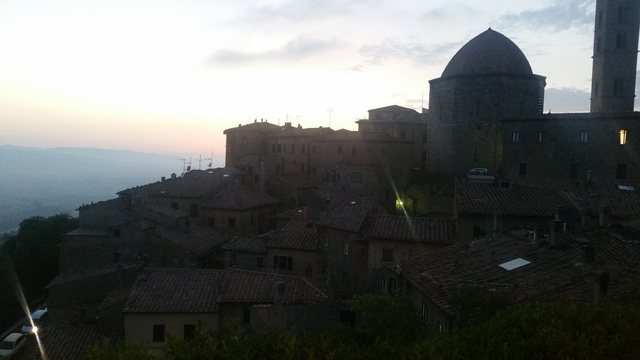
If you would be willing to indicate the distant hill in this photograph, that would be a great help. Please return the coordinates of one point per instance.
(44, 182)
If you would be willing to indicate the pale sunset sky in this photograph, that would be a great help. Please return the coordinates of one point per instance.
(169, 76)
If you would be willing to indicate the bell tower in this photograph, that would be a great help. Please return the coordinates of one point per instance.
(615, 55)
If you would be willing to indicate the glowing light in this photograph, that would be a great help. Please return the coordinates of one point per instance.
(34, 329)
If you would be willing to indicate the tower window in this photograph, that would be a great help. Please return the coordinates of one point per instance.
(623, 136)
(542, 137)
(573, 171)
(621, 171)
(523, 169)
(515, 137)
(584, 137)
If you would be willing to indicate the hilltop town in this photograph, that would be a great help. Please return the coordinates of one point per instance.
(481, 189)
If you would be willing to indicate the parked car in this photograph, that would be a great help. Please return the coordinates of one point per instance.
(478, 171)
(11, 345)
(39, 317)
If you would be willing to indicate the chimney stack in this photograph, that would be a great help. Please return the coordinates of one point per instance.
(604, 216)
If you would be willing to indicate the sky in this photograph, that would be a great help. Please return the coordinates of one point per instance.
(169, 77)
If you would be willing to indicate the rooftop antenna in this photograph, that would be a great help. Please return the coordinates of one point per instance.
(186, 166)
(298, 120)
(210, 159)
(330, 110)
(200, 162)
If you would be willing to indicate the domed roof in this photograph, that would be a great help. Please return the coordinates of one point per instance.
(488, 53)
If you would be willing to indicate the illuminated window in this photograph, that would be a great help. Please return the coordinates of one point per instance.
(515, 136)
(623, 136)
(542, 137)
(345, 247)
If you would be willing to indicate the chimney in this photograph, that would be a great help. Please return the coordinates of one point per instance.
(556, 233)
(585, 215)
(281, 289)
(604, 216)
(497, 221)
(557, 213)
(162, 178)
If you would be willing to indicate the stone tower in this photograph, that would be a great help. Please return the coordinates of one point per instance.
(615, 54)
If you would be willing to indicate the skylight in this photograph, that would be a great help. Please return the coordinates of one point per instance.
(514, 264)
(626, 187)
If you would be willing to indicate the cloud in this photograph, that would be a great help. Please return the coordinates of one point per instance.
(296, 49)
(419, 53)
(561, 15)
(559, 100)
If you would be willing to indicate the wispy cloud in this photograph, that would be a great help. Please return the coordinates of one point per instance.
(419, 53)
(561, 15)
(559, 100)
(296, 49)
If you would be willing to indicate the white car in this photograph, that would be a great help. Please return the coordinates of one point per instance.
(11, 345)
(38, 317)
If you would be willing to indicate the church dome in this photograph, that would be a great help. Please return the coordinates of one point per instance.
(488, 53)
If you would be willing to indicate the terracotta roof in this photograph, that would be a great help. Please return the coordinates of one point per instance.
(240, 198)
(398, 227)
(254, 244)
(254, 126)
(67, 342)
(552, 274)
(346, 213)
(477, 197)
(201, 290)
(299, 233)
(195, 184)
(198, 240)
(521, 200)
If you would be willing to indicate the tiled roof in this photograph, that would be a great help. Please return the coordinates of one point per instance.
(240, 198)
(194, 184)
(254, 244)
(67, 342)
(398, 227)
(300, 181)
(200, 290)
(553, 273)
(299, 233)
(622, 203)
(254, 126)
(78, 275)
(347, 214)
(474, 197)
(260, 287)
(198, 240)
(300, 132)
(519, 200)
(87, 232)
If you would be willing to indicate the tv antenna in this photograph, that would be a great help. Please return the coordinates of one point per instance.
(186, 166)
(330, 110)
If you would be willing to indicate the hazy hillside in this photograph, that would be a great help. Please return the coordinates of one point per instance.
(45, 182)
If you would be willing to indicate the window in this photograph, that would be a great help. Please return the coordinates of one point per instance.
(387, 254)
(339, 149)
(174, 205)
(116, 257)
(251, 219)
(621, 171)
(231, 222)
(282, 262)
(345, 247)
(189, 332)
(573, 171)
(383, 285)
(260, 262)
(423, 156)
(584, 137)
(542, 137)
(345, 278)
(523, 169)
(425, 312)
(273, 148)
(256, 178)
(325, 240)
(211, 221)
(621, 41)
(232, 259)
(246, 315)
(193, 210)
(279, 147)
(116, 233)
(293, 148)
(158, 333)
(403, 134)
(425, 137)
(356, 177)
(515, 137)
(623, 136)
